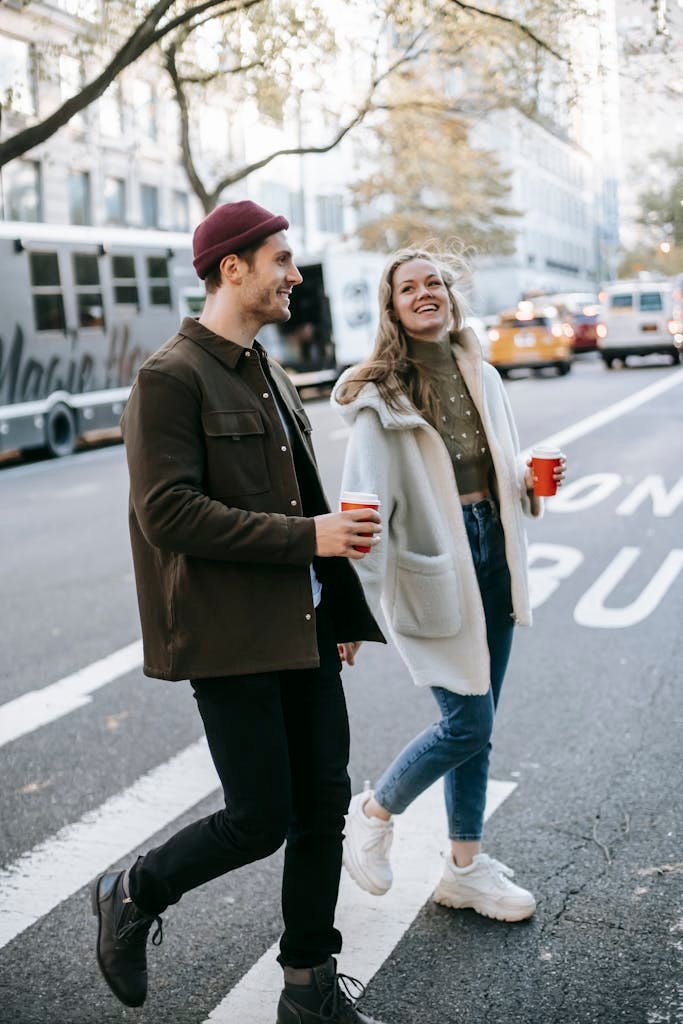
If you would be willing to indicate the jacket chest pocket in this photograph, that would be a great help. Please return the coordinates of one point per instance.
(236, 451)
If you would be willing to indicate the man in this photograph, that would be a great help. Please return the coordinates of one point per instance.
(244, 587)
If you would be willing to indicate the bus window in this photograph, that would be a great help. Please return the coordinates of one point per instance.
(651, 302)
(46, 287)
(159, 285)
(125, 283)
(622, 301)
(88, 301)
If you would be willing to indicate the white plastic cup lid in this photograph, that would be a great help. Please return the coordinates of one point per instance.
(545, 452)
(360, 498)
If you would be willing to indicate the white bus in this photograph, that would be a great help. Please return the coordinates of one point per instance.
(640, 318)
(83, 307)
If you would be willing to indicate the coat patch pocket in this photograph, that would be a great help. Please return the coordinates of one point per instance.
(427, 598)
(235, 442)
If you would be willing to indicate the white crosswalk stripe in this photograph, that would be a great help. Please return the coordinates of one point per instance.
(372, 926)
(57, 868)
(54, 870)
(40, 707)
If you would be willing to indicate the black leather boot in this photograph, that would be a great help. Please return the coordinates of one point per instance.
(314, 994)
(122, 938)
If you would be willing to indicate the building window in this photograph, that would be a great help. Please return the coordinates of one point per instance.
(125, 283)
(115, 200)
(296, 208)
(149, 198)
(159, 281)
(46, 287)
(79, 198)
(330, 210)
(17, 76)
(181, 210)
(146, 109)
(111, 111)
(71, 81)
(87, 290)
(23, 187)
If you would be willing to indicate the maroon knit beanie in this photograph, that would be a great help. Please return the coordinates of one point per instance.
(230, 228)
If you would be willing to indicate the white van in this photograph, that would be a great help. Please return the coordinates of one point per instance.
(640, 318)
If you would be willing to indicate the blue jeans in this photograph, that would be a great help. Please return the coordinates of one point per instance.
(457, 747)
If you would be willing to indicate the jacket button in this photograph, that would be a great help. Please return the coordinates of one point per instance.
(247, 355)
(308, 617)
(265, 394)
(293, 503)
(283, 448)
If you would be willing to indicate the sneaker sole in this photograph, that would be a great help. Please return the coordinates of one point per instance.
(359, 876)
(95, 904)
(483, 907)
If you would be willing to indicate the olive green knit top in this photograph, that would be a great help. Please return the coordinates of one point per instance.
(459, 422)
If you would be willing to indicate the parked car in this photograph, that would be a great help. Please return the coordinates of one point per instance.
(581, 310)
(531, 336)
(640, 318)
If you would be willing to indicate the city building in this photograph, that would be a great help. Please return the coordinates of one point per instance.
(563, 165)
(119, 162)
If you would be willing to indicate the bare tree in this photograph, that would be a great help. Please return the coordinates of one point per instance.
(162, 25)
(155, 27)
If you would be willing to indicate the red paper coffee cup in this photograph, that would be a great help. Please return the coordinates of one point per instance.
(544, 461)
(359, 499)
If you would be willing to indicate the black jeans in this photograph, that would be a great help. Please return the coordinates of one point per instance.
(280, 744)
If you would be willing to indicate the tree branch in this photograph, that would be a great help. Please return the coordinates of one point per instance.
(207, 79)
(248, 169)
(406, 56)
(188, 162)
(138, 43)
(520, 26)
(189, 15)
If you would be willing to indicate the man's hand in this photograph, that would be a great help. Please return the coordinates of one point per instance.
(348, 651)
(338, 534)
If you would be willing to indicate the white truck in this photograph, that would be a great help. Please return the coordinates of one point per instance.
(83, 307)
(334, 314)
(640, 318)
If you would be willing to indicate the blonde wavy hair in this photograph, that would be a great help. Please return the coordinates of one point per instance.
(390, 367)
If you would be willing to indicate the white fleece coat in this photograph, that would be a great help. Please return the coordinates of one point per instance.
(422, 570)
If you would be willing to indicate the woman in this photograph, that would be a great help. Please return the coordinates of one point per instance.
(433, 435)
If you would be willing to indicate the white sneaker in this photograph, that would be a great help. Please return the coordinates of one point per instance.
(484, 886)
(366, 848)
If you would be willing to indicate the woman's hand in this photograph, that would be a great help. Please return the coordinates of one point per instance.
(559, 474)
(348, 652)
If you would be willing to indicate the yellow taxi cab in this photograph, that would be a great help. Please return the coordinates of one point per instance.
(531, 337)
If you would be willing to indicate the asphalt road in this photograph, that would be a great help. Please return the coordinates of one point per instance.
(589, 729)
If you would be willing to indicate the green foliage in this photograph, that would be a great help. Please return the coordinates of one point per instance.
(661, 209)
(660, 218)
(430, 182)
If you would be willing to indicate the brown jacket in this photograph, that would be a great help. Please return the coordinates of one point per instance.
(221, 527)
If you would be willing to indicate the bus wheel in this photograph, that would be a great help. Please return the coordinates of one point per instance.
(60, 431)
